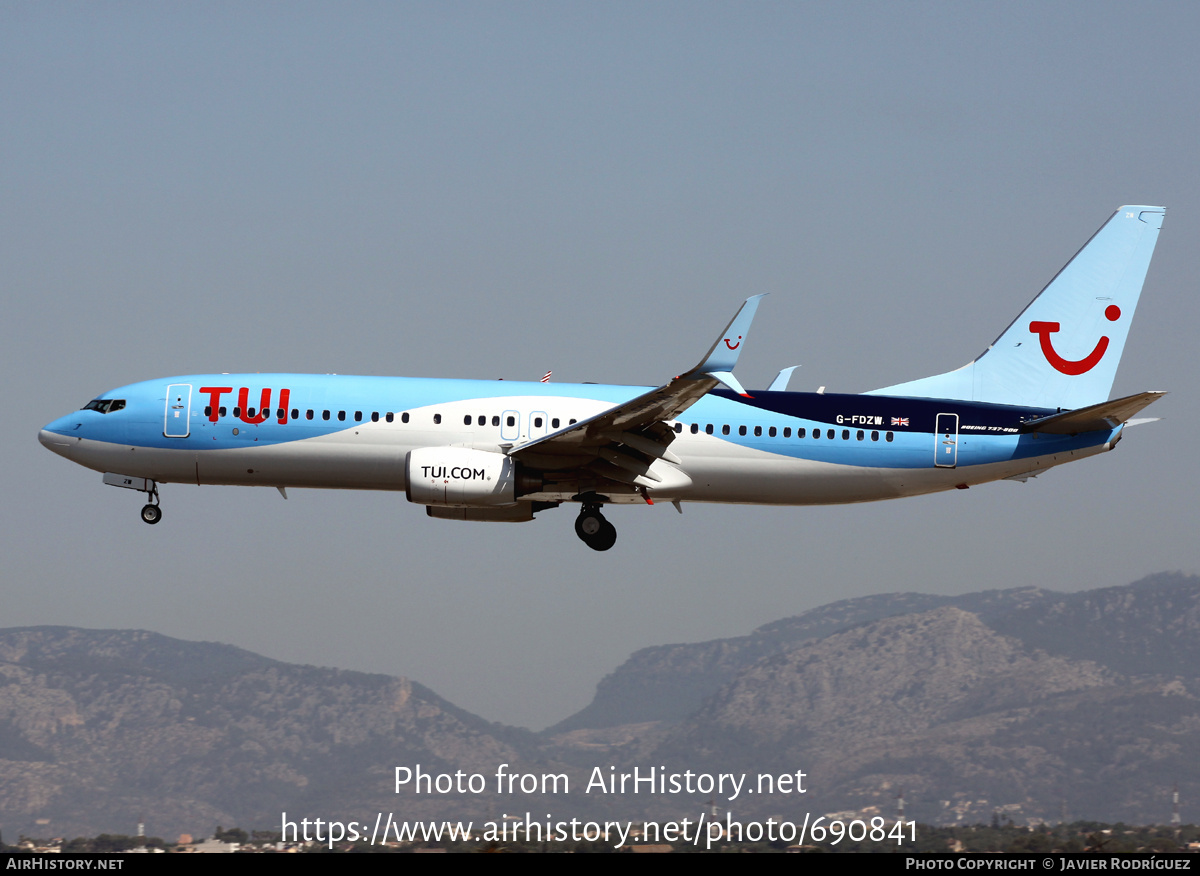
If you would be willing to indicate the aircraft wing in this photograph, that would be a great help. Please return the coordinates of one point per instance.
(1104, 416)
(627, 423)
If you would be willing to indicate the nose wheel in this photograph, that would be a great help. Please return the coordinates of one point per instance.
(151, 513)
(595, 531)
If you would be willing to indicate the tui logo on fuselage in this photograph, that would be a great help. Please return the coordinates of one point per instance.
(242, 410)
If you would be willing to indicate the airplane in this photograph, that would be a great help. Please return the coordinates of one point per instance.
(489, 450)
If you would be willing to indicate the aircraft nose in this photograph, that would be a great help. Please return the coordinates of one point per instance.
(53, 441)
(57, 436)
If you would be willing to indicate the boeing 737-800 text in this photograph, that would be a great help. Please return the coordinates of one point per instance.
(501, 451)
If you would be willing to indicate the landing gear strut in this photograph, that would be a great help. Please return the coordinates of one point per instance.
(596, 532)
(151, 513)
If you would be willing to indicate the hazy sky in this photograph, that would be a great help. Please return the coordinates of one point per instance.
(494, 190)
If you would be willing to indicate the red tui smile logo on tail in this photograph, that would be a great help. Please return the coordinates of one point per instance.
(1080, 366)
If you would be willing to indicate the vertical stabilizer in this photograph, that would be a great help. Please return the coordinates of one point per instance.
(1064, 348)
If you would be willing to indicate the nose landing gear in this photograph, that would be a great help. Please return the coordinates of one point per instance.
(151, 513)
(594, 530)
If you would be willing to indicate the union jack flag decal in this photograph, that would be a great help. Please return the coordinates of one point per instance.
(899, 421)
(546, 379)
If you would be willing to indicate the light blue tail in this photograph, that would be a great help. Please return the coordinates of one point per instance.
(1064, 348)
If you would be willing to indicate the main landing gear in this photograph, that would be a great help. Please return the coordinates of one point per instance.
(596, 532)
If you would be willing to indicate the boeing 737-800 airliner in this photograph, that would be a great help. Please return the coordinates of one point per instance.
(500, 451)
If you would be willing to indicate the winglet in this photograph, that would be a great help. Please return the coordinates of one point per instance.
(727, 378)
(780, 383)
(722, 356)
(624, 423)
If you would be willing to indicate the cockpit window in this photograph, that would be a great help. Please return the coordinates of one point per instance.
(105, 405)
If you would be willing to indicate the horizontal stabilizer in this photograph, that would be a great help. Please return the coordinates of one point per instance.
(1094, 418)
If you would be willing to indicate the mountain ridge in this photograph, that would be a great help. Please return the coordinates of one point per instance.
(1026, 701)
(669, 682)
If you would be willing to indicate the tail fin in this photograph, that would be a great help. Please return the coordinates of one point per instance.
(1063, 350)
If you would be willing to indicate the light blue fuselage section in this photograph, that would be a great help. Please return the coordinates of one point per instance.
(355, 432)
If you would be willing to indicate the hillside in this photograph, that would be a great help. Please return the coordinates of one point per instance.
(1024, 702)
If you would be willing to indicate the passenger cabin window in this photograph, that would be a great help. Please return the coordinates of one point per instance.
(390, 416)
(495, 421)
(741, 430)
(537, 422)
(374, 416)
(695, 428)
(482, 421)
(403, 417)
(358, 416)
(554, 423)
(207, 410)
(437, 419)
(889, 436)
(572, 422)
(829, 434)
(237, 411)
(295, 413)
(874, 436)
(725, 429)
(342, 415)
(845, 434)
(861, 435)
(308, 415)
(221, 412)
(324, 414)
(679, 428)
(708, 430)
(771, 432)
(787, 432)
(510, 421)
(758, 431)
(467, 420)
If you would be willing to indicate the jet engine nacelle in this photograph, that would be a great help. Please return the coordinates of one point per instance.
(460, 476)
